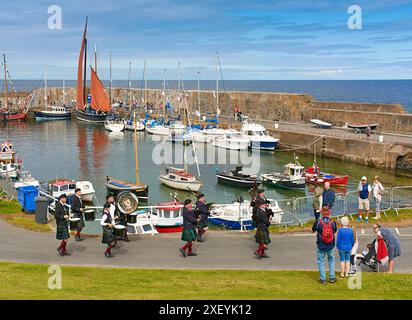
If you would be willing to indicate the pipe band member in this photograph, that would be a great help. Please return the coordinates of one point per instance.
(62, 228)
(204, 214)
(262, 233)
(107, 223)
(259, 197)
(77, 210)
(189, 229)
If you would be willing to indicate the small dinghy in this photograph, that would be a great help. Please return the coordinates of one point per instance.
(237, 178)
(321, 124)
(291, 178)
(180, 179)
(313, 175)
(238, 215)
(361, 128)
(117, 186)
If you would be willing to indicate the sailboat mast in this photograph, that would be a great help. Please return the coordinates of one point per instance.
(64, 92)
(136, 150)
(45, 88)
(85, 68)
(145, 84)
(198, 91)
(164, 92)
(110, 91)
(95, 58)
(217, 83)
(130, 87)
(5, 81)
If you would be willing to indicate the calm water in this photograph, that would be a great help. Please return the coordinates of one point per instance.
(88, 152)
(378, 91)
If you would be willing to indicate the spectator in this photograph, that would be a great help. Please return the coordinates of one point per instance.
(378, 192)
(352, 269)
(364, 192)
(345, 242)
(328, 196)
(325, 240)
(392, 243)
(317, 202)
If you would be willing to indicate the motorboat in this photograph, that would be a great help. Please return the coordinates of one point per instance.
(321, 124)
(114, 124)
(87, 190)
(313, 175)
(180, 137)
(167, 217)
(238, 215)
(258, 137)
(237, 178)
(291, 178)
(53, 113)
(180, 179)
(24, 178)
(8, 164)
(207, 135)
(232, 140)
(60, 186)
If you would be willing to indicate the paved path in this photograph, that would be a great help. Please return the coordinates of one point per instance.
(222, 250)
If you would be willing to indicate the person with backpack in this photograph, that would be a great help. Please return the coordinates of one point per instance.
(317, 202)
(328, 196)
(325, 240)
(345, 242)
(364, 192)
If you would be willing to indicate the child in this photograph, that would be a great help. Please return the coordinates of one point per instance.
(345, 243)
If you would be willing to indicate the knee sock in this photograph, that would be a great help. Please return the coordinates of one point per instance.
(61, 247)
(109, 249)
(189, 247)
(78, 233)
(201, 232)
(261, 249)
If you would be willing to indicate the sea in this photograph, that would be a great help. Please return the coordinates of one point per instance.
(371, 91)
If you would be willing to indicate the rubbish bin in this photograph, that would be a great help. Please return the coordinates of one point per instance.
(26, 196)
(42, 207)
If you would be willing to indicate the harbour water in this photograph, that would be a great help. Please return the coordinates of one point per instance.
(371, 91)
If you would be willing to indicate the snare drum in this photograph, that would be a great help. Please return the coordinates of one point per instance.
(119, 231)
(89, 214)
(132, 218)
(74, 223)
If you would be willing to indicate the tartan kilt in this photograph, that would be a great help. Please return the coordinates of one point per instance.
(108, 235)
(62, 232)
(201, 225)
(81, 222)
(262, 236)
(189, 235)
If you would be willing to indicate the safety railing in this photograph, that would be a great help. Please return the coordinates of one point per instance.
(401, 197)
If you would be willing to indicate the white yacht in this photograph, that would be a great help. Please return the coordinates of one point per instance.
(258, 137)
(232, 140)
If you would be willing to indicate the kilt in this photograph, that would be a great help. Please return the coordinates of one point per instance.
(202, 224)
(62, 232)
(81, 222)
(108, 235)
(262, 236)
(189, 235)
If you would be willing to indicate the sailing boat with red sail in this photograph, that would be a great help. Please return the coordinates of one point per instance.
(97, 110)
(10, 112)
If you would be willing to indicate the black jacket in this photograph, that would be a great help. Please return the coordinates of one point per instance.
(76, 205)
(59, 214)
(262, 222)
(189, 219)
(202, 208)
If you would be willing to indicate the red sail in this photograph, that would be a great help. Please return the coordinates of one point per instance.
(100, 100)
(80, 98)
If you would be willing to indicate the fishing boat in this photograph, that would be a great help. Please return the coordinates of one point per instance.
(96, 109)
(313, 175)
(321, 124)
(362, 127)
(291, 178)
(237, 178)
(24, 178)
(258, 137)
(8, 164)
(10, 113)
(59, 186)
(180, 179)
(232, 140)
(51, 112)
(168, 217)
(238, 215)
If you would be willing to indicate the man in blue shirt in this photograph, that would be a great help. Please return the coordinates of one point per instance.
(364, 192)
(325, 241)
(328, 196)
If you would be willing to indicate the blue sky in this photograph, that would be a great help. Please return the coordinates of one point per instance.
(255, 40)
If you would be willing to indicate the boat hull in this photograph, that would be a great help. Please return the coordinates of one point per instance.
(142, 193)
(40, 115)
(285, 184)
(158, 131)
(179, 185)
(13, 117)
(114, 127)
(334, 181)
(169, 229)
(88, 117)
(237, 182)
(231, 145)
(231, 224)
(263, 145)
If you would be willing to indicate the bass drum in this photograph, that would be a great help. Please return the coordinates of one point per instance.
(127, 202)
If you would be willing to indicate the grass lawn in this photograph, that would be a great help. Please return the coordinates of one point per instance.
(11, 212)
(27, 281)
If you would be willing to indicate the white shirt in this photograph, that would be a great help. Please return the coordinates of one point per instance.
(112, 210)
(378, 189)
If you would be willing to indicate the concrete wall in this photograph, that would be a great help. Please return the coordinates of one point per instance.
(357, 106)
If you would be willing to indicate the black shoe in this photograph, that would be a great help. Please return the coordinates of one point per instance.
(265, 256)
(126, 240)
(78, 239)
(192, 254)
(323, 282)
(60, 251)
(199, 239)
(67, 253)
(258, 255)
(332, 280)
(108, 255)
(111, 255)
(182, 252)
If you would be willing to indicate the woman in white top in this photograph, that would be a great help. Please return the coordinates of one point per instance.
(378, 191)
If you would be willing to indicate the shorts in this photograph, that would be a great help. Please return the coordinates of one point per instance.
(344, 256)
(363, 204)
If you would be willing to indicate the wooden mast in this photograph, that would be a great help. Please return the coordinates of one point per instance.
(5, 81)
(136, 148)
(95, 58)
(130, 87)
(110, 92)
(45, 89)
(217, 84)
